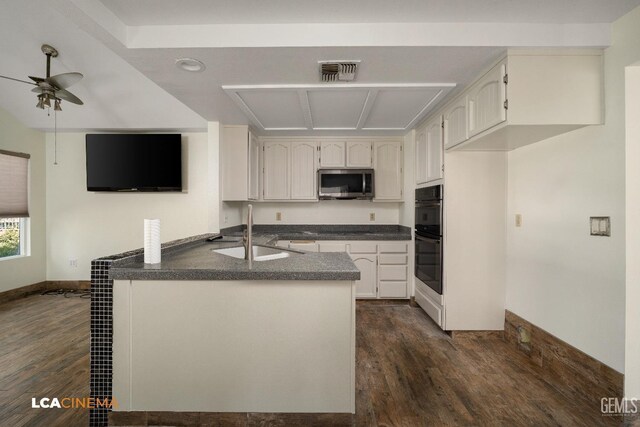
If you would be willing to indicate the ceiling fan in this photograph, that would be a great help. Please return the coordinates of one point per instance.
(52, 88)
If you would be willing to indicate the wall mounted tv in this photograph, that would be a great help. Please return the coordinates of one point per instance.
(134, 162)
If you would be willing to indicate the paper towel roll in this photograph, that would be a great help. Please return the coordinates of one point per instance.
(152, 241)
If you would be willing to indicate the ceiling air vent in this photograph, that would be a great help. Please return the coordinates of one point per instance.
(338, 71)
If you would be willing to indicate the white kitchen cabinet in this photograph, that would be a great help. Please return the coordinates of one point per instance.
(332, 154)
(421, 156)
(486, 100)
(383, 266)
(455, 122)
(387, 163)
(359, 154)
(303, 170)
(240, 153)
(276, 178)
(254, 167)
(434, 161)
(366, 286)
(332, 247)
(303, 245)
(527, 97)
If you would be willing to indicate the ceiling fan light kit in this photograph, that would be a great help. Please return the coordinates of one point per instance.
(52, 87)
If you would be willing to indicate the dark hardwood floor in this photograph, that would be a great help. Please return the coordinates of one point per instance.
(409, 373)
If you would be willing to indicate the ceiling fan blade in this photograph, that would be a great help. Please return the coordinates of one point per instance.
(37, 89)
(65, 80)
(68, 96)
(36, 79)
(17, 80)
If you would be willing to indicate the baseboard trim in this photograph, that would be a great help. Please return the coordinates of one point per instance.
(47, 285)
(399, 301)
(576, 373)
(154, 418)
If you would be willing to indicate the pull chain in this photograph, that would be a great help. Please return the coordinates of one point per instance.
(55, 137)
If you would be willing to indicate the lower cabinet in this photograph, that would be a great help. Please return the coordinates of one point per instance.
(384, 266)
(366, 286)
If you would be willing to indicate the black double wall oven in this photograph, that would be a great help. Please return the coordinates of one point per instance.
(428, 236)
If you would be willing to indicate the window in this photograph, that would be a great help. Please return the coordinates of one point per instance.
(14, 203)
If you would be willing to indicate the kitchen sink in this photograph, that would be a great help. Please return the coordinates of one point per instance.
(260, 253)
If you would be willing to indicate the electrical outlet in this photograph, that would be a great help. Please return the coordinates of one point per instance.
(278, 216)
(518, 220)
(600, 225)
(226, 218)
(372, 216)
(73, 263)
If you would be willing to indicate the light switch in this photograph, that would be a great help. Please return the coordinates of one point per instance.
(278, 216)
(600, 225)
(518, 220)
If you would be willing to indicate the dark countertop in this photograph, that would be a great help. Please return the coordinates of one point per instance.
(194, 259)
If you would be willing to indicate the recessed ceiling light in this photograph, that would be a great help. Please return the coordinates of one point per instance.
(190, 64)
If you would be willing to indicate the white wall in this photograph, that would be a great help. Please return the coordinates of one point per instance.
(326, 212)
(85, 225)
(632, 350)
(27, 270)
(558, 276)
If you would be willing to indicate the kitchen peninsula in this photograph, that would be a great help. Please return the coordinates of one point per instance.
(205, 332)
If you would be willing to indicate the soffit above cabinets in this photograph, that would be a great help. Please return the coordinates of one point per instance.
(333, 107)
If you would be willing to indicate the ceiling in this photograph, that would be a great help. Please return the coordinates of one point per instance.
(190, 12)
(414, 55)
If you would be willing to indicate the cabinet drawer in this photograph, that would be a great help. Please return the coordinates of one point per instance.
(393, 248)
(392, 289)
(303, 245)
(392, 272)
(332, 247)
(363, 248)
(393, 259)
(432, 309)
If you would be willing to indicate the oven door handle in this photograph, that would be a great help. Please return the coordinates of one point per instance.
(428, 204)
(427, 239)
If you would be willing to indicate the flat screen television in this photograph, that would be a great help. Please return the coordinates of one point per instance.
(134, 162)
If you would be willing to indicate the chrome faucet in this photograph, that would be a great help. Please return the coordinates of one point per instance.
(247, 239)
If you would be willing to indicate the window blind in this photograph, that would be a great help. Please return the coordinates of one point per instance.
(14, 184)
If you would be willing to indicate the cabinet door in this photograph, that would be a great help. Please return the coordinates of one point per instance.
(254, 167)
(332, 154)
(304, 170)
(358, 154)
(455, 123)
(421, 156)
(366, 286)
(434, 149)
(387, 158)
(486, 100)
(276, 170)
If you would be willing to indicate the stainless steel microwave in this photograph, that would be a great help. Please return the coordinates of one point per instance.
(345, 184)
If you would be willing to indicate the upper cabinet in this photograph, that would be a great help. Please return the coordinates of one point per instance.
(304, 163)
(290, 170)
(434, 163)
(254, 167)
(528, 97)
(387, 164)
(276, 179)
(486, 100)
(359, 154)
(455, 122)
(421, 156)
(429, 151)
(240, 151)
(350, 154)
(332, 154)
